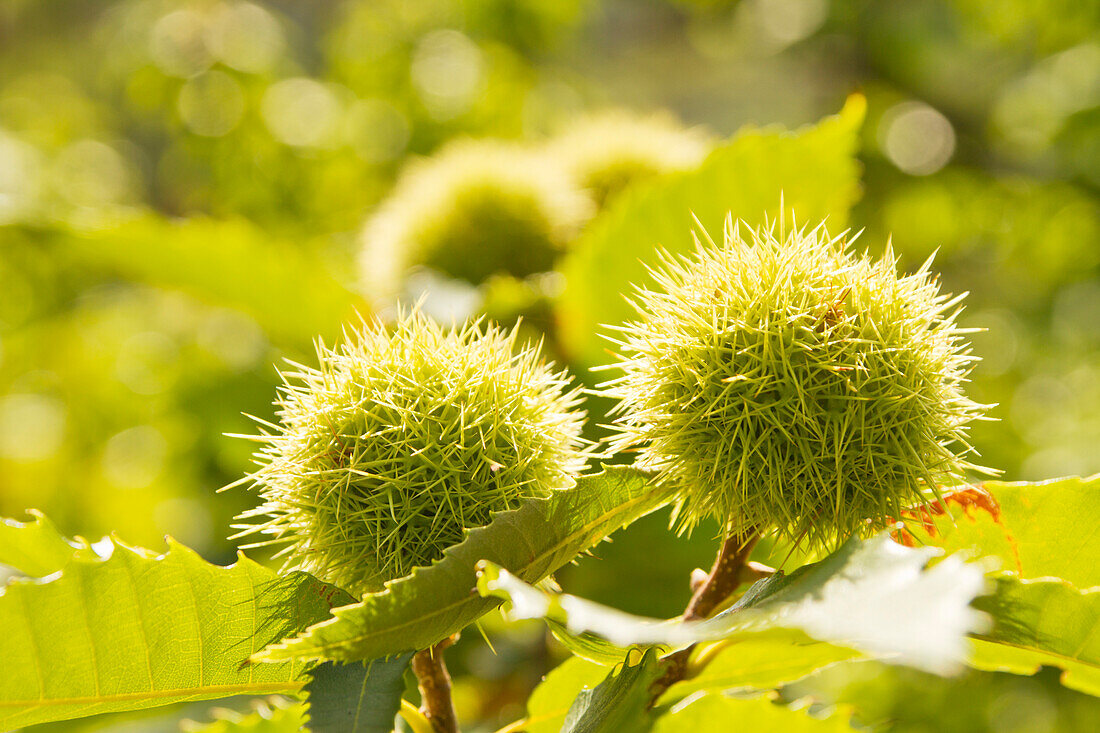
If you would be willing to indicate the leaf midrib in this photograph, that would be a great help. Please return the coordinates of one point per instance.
(220, 690)
(1037, 650)
(270, 656)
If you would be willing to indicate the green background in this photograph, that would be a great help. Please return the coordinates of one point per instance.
(182, 184)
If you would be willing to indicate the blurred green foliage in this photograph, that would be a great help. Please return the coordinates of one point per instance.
(182, 184)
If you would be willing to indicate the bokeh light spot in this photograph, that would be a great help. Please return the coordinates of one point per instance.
(186, 520)
(20, 178)
(1035, 107)
(177, 44)
(32, 426)
(788, 21)
(447, 70)
(134, 458)
(916, 138)
(245, 37)
(234, 338)
(211, 104)
(144, 361)
(302, 112)
(92, 173)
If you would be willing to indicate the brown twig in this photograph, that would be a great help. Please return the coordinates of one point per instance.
(435, 687)
(731, 568)
(724, 577)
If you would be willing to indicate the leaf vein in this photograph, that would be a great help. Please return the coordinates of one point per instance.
(349, 641)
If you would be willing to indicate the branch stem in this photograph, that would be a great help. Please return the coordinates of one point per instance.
(724, 577)
(435, 687)
(731, 568)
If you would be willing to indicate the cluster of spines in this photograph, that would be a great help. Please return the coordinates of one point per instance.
(606, 152)
(403, 439)
(783, 382)
(478, 208)
(474, 209)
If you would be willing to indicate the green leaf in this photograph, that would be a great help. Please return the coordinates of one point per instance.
(813, 170)
(1035, 529)
(900, 699)
(874, 596)
(1042, 622)
(289, 292)
(358, 697)
(533, 541)
(138, 630)
(578, 616)
(760, 662)
(720, 712)
(763, 661)
(551, 700)
(36, 548)
(620, 702)
(269, 716)
(586, 645)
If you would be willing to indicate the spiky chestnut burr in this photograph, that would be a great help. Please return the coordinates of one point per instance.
(783, 382)
(608, 151)
(474, 209)
(401, 440)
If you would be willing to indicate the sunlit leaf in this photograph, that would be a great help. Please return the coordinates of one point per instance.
(1038, 623)
(1052, 616)
(138, 630)
(1034, 529)
(269, 716)
(813, 170)
(753, 714)
(682, 707)
(290, 293)
(586, 645)
(36, 548)
(874, 596)
(551, 700)
(434, 602)
(620, 702)
(763, 661)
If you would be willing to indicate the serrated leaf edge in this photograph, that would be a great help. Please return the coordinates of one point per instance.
(284, 651)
